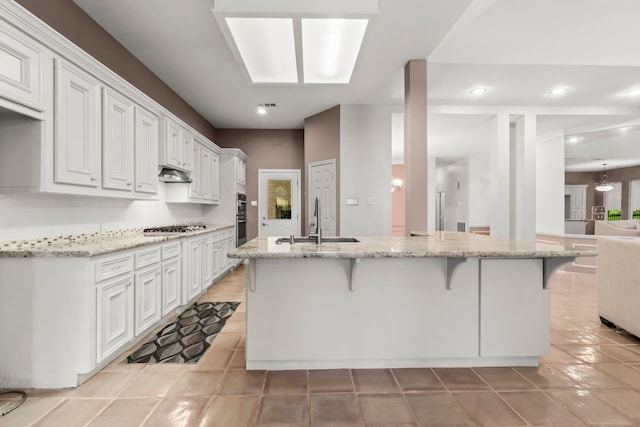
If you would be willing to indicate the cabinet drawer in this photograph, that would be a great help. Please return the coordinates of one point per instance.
(113, 266)
(147, 257)
(171, 250)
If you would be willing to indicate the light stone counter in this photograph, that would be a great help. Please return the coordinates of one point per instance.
(435, 244)
(91, 244)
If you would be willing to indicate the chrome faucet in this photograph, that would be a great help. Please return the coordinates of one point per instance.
(318, 223)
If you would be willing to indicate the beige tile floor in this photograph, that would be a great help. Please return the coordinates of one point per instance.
(591, 377)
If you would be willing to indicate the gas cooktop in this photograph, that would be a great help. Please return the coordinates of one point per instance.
(174, 229)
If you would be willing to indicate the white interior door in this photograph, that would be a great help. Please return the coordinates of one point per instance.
(322, 182)
(279, 202)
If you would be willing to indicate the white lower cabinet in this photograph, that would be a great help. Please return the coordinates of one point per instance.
(207, 261)
(170, 285)
(216, 267)
(148, 298)
(115, 315)
(193, 268)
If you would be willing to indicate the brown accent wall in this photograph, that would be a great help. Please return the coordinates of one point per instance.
(322, 142)
(72, 22)
(398, 203)
(595, 198)
(265, 149)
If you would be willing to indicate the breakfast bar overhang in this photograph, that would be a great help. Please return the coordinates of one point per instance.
(440, 299)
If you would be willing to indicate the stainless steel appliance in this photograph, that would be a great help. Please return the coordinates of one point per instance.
(241, 219)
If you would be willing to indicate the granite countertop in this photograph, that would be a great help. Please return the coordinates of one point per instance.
(441, 244)
(92, 244)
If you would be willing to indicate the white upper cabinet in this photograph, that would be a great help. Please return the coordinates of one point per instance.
(20, 69)
(146, 148)
(241, 175)
(77, 126)
(118, 141)
(187, 150)
(215, 177)
(206, 166)
(176, 146)
(195, 189)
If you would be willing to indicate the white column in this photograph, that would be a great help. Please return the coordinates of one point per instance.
(499, 188)
(523, 176)
(431, 192)
(550, 185)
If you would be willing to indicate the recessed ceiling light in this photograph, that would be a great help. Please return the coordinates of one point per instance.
(632, 92)
(574, 139)
(261, 109)
(478, 91)
(560, 90)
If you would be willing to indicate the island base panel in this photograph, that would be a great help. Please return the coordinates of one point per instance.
(301, 314)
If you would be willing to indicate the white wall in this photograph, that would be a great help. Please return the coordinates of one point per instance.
(39, 215)
(365, 169)
(479, 203)
(550, 185)
(454, 181)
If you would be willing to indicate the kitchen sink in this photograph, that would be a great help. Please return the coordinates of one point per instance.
(308, 239)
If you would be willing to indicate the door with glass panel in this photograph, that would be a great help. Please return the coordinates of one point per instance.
(279, 202)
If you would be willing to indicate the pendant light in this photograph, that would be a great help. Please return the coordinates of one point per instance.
(603, 184)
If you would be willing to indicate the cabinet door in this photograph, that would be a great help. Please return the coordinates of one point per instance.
(115, 316)
(188, 157)
(173, 144)
(148, 298)
(224, 249)
(146, 146)
(215, 267)
(230, 246)
(194, 265)
(241, 171)
(215, 177)
(195, 189)
(206, 173)
(77, 126)
(20, 69)
(207, 262)
(117, 141)
(171, 280)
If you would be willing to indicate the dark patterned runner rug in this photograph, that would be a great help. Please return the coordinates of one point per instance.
(186, 339)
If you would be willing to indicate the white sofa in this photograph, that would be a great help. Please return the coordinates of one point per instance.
(627, 227)
(618, 281)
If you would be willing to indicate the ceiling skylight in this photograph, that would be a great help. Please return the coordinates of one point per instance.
(295, 41)
(267, 48)
(330, 48)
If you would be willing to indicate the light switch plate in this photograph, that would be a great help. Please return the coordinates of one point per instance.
(352, 201)
(254, 203)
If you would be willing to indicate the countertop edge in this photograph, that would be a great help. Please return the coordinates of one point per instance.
(112, 245)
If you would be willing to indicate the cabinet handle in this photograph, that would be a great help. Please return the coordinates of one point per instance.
(93, 178)
(139, 185)
(128, 184)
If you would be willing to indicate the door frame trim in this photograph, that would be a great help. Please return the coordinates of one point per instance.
(298, 177)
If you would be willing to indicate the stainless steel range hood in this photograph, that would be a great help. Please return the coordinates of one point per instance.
(173, 175)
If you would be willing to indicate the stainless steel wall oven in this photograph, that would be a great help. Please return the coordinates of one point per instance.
(241, 219)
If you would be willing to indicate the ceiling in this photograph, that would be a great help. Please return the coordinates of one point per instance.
(519, 50)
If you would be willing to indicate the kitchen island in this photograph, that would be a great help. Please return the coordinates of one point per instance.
(439, 299)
